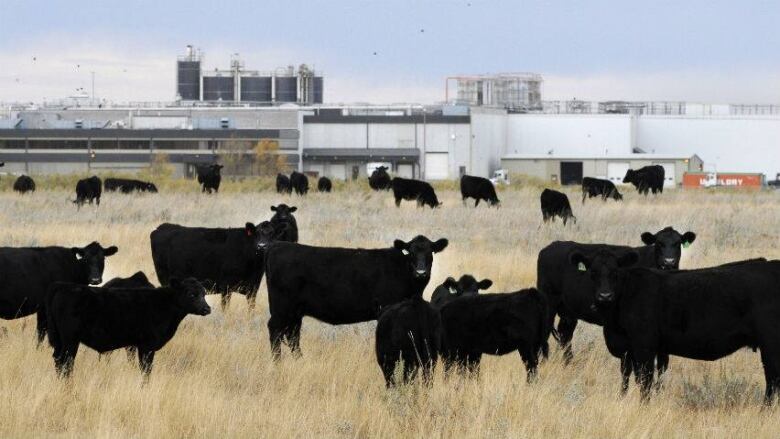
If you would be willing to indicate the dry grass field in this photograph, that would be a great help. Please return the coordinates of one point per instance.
(216, 378)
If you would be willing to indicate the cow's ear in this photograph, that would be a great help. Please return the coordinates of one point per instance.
(293, 209)
(484, 284)
(110, 251)
(79, 252)
(579, 260)
(648, 238)
(628, 259)
(688, 238)
(250, 229)
(450, 282)
(273, 208)
(220, 166)
(401, 246)
(439, 245)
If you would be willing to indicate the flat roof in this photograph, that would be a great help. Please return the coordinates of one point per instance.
(159, 134)
(361, 153)
(597, 157)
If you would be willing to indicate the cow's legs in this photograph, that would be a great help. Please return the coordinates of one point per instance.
(40, 326)
(531, 360)
(625, 372)
(771, 363)
(476, 203)
(643, 371)
(275, 334)
(64, 357)
(145, 359)
(584, 194)
(661, 364)
(293, 336)
(566, 326)
(397, 202)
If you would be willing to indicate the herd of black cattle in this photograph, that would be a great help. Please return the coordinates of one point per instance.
(649, 309)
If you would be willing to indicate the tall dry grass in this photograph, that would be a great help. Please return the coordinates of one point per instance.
(216, 378)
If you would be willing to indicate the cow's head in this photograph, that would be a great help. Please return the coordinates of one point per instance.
(602, 268)
(283, 212)
(465, 286)
(668, 244)
(190, 296)
(151, 187)
(630, 176)
(216, 168)
(92, 260)
(419, 254)
(616, 195)
(260, 236)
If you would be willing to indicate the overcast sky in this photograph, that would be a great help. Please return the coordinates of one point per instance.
(400, 51)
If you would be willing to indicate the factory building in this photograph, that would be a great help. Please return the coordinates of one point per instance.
(237, 84)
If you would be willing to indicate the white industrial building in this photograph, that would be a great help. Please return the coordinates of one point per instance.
(431, 142)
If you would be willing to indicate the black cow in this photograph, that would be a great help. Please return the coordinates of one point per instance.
(495, 324)
(127, 186)
(409, 331)
(137, 280)
(210, 177)
(88, 190)
(299, 183)
(224, 260)
(571, 294)
(414, 190)
(283, 184)
(703, 314)
(324, 184)
(380, 180)
(284, 224)
(594, 187)
(27, 272)
(649, 178)
(554, 204)
(24, 184)
(478, 188)
(341, 285)
(452, 289)
(108, 319)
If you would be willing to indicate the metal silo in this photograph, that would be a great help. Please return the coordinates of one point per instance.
(188, 75)
(318, 88)
(256, 89)
(217, 88)
(286, 89)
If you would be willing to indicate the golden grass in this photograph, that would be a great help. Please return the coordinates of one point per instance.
(216, 378)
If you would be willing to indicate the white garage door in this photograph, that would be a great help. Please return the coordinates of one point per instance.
(616, 171)
(338, 171)
(669, 174)
(406, 171)
(437, 166)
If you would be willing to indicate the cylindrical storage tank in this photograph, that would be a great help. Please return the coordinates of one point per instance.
(256, 89)
(286, 89)
(218, 87)
(188, 80)
(317, 90)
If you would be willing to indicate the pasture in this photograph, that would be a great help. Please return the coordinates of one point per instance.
(216, 379)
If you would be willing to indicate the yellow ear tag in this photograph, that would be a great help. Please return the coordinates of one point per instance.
(581, 267)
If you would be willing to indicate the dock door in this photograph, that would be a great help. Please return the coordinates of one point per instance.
(571, 173)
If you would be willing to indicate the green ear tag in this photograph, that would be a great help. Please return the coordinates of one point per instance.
(581, 267)
(686, 244)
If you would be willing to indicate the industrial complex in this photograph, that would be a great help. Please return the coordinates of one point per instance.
(485, 123)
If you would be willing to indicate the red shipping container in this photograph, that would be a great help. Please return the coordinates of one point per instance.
(722, 179)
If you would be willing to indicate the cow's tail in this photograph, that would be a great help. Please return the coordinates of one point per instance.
(545, 326)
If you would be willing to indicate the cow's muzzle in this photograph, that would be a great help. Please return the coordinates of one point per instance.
(204, 310)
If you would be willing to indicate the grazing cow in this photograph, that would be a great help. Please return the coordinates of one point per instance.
(210, 177)
(299, 183)
(127, 186)
(452, 289)
(108, 319)
(284, 224)
(478, 188)
(649, 178)
(495, 324)
(341, 285)
(137, 280)
(88, 190)
(554, 204)
(594, 187)
(703, 314)
(324, 184)
(414, 190)
(24, 184)
(224, 260)
(283, 184)
(571, 295)
(27, 272)
(380, 180)
(409, 331)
